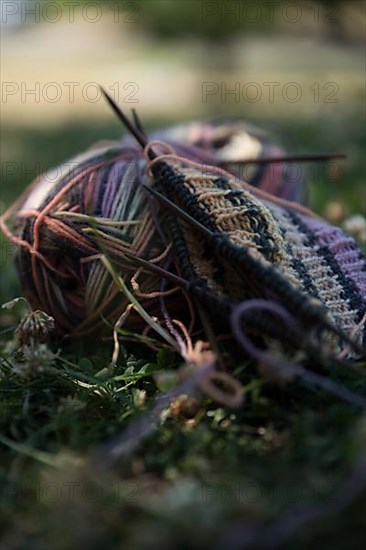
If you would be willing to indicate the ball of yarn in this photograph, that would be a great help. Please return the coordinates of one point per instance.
(94, 205)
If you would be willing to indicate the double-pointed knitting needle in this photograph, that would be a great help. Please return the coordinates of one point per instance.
(178, 211)
(138, 123)
(287, 158)
(153, 268)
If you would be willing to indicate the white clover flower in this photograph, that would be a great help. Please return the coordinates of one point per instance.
(356, 226)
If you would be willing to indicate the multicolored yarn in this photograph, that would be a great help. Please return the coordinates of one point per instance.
(97, 195)
(248, 241)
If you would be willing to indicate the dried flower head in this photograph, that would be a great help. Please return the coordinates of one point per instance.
(35, 328)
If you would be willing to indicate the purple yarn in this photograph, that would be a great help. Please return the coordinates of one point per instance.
(243, 309)
(114, 180)
(280, 365)
(343, 248)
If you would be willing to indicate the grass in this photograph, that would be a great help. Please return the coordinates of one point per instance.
(204, 469)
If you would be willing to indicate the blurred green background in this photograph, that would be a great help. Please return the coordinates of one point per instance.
(161, 56)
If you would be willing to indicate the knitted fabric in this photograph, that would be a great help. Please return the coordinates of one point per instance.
(316, 264)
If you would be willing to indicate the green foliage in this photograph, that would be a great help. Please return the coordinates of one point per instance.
(188, 481)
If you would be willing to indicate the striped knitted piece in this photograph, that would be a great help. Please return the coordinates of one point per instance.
(313, 261)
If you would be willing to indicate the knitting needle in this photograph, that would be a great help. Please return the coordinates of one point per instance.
(153, 268)
(138, 123)
(288, 158)
(123, 118)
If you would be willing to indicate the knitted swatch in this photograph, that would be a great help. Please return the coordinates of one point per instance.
(303, 262)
